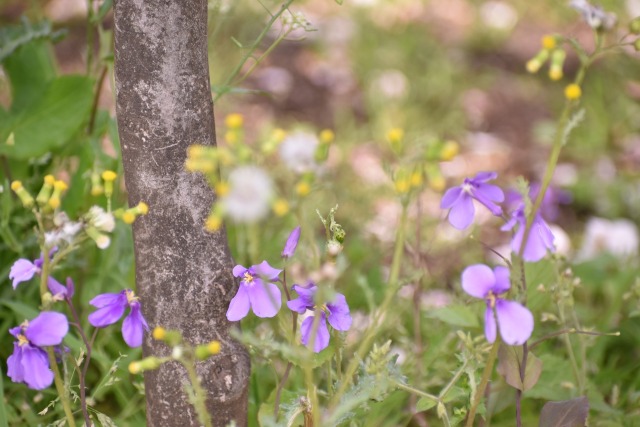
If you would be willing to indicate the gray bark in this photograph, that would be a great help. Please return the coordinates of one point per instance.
(183, 273)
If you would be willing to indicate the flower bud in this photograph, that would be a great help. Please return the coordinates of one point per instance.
(147, 364)
(303, 188)
(108, 177)
(23, 194)
(214, 222)
(549, 42)
(58, 188)
(572, 92)
(234, 121)
(102, 240)
(557, 61)
(206, 350)
(395, 137)
(96, 184)
(449, 150)
(334, 248)
(130, 215)
(535, 63)
(45, 191)
(327, 136)
(280, 207)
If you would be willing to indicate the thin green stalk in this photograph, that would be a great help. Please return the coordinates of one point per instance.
(200, 403)
(224, 88)
(373, 329)
(62, 392)
(453, 380)
(572, 356)
(486, 375)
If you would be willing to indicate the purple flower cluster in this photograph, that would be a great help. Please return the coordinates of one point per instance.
(258, 293)
(336, 312)
(29, 362)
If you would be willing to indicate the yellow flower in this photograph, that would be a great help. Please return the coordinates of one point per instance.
(303, 188)
(109, 176)
(214, 347)
(159, 333)
(327, 136)
(281, 207)
(572, 92)
(134, 367)
(437, 183)
(234, 121)
(549, 42)
(222, 188)
(214, 222)
(402, 186)
(416, 179)
(449, 150)
(395, 137)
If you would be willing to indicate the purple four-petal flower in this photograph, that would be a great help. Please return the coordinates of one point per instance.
(540, 238)
(460, 199)
(256, 292)
(111, 307)
(514, 320)
(336, 312)
(29, 362)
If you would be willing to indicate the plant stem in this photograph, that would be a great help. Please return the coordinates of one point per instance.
(225, 86)
(62, 392)
(373, 329)
(486, 375)
(200, 403)
(82, 373)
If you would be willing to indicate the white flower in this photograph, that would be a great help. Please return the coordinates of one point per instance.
(100, 219)
(250, 194)
(298, 152)
(619, 238)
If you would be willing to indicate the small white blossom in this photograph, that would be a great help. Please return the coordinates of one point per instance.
(619, 238)
(250, 194)
(100, 219)
(298, 152)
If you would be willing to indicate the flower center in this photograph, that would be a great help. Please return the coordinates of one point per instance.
(248, 278)
(131, 297)
(22, 340)
(466, 187)
(491, 298)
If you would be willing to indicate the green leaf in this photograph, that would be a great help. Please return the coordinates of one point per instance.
(105, 7)
(424, 404)
(566, 413)
(30, 70)
(509, 362)
(3, 413)
(51, 120)
(456, 315)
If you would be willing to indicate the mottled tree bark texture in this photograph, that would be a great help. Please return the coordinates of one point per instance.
(183, 273)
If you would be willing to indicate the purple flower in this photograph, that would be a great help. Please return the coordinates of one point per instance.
(292, 243)
(23, 270)
(256, 292)
(540, 238)
(337, 312)
(459, 199)
(514, 320)
(111, 307)
(549, 208)
(59, 291)
(29, 362)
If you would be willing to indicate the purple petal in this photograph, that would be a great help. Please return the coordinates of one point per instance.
(305, 298)
(491, 192)
(265, 270)
(265, 298)
(485, 176)
(16, 331)
(104, 300)
(35, 365)
(239, 270)
(322, 336)
(539, 242)
(49, 328)
(133, 327)
(339, 316)
(489, 325)
(107, 315)
(71, 289)
(509, 224)
(502, 280)
(478, 280)
(450, 197)
(21, 271)
(292, 243)
(299, 305)
(14, 364)
(480, 196)
(57, 289)
(239, 305)
(462, 213)
(515, 322)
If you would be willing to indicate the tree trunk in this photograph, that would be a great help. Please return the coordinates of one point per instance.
(183, 273)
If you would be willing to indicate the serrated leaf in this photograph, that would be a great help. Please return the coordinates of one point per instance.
(566, 413)
(456, 315)
(51, 120)
(104, 420)
(509, 362)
